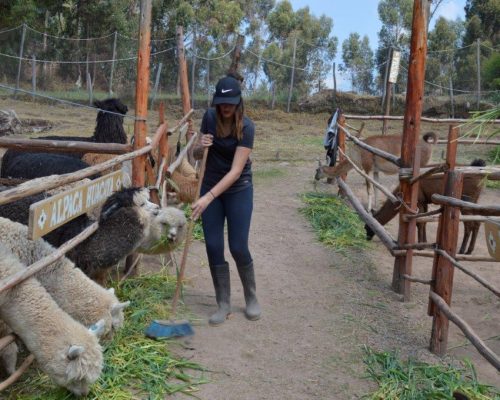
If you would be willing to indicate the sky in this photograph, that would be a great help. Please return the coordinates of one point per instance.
(361, 16)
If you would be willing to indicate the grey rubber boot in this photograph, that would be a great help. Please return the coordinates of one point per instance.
(247, 276)
(222, 285)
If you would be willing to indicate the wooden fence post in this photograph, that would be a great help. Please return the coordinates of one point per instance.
(193, 68)
(183, 76)
(141, 92)
(110, 91)
(33, 76)
(411, 133)
(341, 144)
(19, 64)
(442, 274)
(290, 91)
(388, 91)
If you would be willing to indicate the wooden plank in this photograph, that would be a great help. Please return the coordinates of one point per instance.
(478, 209)
(49, 214)
(68, 146)
(490, 173)
(141, 92)
(443, 268)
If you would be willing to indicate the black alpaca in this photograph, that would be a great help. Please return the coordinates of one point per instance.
(109, 129)
(123, 223)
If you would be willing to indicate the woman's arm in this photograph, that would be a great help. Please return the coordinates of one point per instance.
(240, 158)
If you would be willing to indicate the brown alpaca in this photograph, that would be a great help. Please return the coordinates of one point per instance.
(472, 188)
(369, 162)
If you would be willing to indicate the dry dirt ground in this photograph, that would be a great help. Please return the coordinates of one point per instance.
(319, 308)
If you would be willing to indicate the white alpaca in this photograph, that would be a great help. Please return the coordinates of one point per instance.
(79, 296)
(64, 349)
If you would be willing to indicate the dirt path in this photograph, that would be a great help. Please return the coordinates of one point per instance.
(319, 310)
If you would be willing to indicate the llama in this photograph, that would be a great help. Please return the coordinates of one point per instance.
(370, 162)
(124, 225)
(109, 129)
(472, 188)
(73, 291)
(64, 349)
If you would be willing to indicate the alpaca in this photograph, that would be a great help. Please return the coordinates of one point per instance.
(472, 188)
(109, 129)
(124, 224)
(64, 349)
(370, 162)
(168, 230)
(36, 165)
(73, 291)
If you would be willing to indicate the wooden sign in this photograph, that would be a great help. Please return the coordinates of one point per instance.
(394, 71)
(492, 231)
(49, 214)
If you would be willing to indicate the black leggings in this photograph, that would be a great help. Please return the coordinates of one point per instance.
(237, 209)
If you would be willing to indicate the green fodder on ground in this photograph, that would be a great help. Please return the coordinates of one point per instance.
(134, 366)
(335, 223)
(414, 380)
(198, 227)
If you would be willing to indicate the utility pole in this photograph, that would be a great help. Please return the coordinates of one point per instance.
(19, 65)
(478, 60)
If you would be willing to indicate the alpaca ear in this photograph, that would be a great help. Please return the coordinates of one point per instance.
(98, 328)
(75, 351)
(118, 307)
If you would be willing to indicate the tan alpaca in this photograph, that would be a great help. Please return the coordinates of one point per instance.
(369, 162)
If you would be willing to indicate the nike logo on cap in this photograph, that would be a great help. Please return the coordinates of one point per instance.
(226, 90)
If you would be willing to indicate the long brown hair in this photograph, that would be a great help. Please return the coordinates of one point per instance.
(236, 126)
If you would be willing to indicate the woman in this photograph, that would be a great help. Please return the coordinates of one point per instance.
(227, 194)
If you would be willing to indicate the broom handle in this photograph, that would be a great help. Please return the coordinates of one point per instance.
(189, 233)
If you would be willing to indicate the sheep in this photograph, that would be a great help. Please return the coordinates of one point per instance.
(472, 187)
(73, 291)
(370, 162)
(109, 129)
(64, 349)
(124, 223)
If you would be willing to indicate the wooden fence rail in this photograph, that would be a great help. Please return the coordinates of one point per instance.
(54, 146)
(466, 205)
(424, 119)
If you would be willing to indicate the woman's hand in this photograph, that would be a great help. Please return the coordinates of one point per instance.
(207, 140)
(200, 206)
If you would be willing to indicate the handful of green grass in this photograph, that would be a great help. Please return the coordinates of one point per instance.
(135, 367)
(413, 380)
(336, 224)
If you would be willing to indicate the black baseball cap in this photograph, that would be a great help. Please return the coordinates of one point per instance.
(227, 91)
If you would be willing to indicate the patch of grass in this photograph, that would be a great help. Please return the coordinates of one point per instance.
(135, 366)
(336, 225)
(494, 155)
(198, 228)
(414, 380)
(268, 173)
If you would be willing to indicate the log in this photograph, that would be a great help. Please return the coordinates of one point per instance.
(417, 280)
(18, 373)
(472, 141)
(467, 271)
(182, 154)
(408, 246)
(379, 230)
(6, 340)
(466, 205)
(431, 171)
(20, 276)
(464, 218)
(184, 120)
(425, 214)
(491, 173)
(68, 146)
(423, 119)
(381, 187)
(39, 185)
(381, 153)
(459, 257)
(469, 333)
